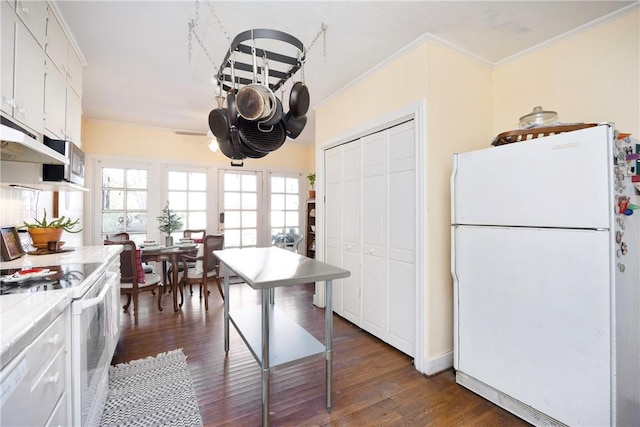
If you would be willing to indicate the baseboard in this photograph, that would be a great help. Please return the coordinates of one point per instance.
(438, 364)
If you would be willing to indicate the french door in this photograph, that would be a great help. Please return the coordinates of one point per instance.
(241, 208)
(254, 210)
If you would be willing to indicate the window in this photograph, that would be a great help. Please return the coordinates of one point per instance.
(187, 196)
(124, 202)
(240, 204)
(285, 208)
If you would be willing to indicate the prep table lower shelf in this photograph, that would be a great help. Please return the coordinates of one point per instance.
(289, 343)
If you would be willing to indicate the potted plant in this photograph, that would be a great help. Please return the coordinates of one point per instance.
(44, 231)
(312, 185)
(169, 222)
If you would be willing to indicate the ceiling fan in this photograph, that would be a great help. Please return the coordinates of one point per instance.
(208, 138)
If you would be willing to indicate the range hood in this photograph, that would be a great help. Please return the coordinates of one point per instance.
(18, 146)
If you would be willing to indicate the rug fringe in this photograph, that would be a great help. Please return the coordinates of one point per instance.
(146, 359)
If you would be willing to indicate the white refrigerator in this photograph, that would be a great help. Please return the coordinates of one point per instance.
(546, 272)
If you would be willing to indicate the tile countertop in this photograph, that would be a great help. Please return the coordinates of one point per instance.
(24, 316)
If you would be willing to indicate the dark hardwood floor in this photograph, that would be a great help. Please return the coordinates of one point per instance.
(373, 384)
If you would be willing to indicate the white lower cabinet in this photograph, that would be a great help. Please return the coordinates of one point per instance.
(370, 217)
(34, 383)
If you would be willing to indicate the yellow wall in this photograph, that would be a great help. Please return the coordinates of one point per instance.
(101, 137)
(457, 95)
(593, 77)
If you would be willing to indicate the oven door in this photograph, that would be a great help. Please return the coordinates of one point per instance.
(95, 333)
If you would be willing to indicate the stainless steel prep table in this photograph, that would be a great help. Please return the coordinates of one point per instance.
(274, 339)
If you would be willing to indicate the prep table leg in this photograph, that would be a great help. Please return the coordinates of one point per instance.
(328, 336)
(226, 308)
(266, 293)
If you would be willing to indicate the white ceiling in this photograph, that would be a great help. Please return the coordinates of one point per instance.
(142, 69)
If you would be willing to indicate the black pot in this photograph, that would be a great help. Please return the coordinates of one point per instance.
(227, 149)
(242, 147)
(294, 125)
(260, 138)
(218, 123)
(299, 100)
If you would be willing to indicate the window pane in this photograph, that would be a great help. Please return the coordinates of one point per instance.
(231, 182)
(277, 219)
(249, 183)
(277, 202)
(292, 219)
(137, 222)
(232, 238)
(249, 219)
(197, 181)
(249, 237)
(177, 180)
(136, 200)
(277, 185)
(232, 219)
(197, 201)
(136, 178)
(249, 201)
(112, 223)
(112, 178)
(112, 199)
(231, 201)
(292, 202)
(292, 185)
(177, 200)
(197, 220)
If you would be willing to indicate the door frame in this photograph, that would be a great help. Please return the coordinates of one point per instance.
(417, 112)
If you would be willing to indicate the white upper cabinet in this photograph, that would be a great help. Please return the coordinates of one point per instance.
(63, 104)
(22, 72)
(62, 53)
(8, 53)
(28, 80)
(55, 96)
(33, 14)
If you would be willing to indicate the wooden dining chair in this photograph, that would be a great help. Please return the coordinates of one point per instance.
(196, 235)
(120, 237)
(205, 269)
(133, 279)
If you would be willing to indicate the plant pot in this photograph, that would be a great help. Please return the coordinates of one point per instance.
(168, 241)
(41, 236)
(312, 194)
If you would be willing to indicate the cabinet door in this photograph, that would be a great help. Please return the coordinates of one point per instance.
(55, 89)
(74, 70)
(374, 270)
(28, 80)
(8, 51)
(33, 14)
(57, 44)
(333, 219)
(401, 203)
(74, 117)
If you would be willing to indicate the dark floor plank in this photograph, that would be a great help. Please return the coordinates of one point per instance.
(374, 384)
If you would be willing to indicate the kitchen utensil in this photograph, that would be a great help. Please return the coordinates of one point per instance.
(299, 98)
(294, 125)
(255, 101)
(261, 140)
(218, 122)
(228, 150)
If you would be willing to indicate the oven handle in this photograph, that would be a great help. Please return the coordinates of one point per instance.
(84, 304)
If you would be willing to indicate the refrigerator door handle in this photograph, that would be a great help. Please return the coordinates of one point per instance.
(454, 276)
(454, 172)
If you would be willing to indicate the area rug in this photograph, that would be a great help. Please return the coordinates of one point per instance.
(155, 391)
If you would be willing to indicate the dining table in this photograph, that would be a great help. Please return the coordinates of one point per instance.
(169, 255)
(274, 339)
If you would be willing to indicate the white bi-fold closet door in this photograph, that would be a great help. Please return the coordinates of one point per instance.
(370, 209)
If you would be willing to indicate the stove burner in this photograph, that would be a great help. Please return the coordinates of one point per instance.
(66, 276)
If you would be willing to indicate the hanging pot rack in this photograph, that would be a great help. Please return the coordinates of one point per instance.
(285, 65)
